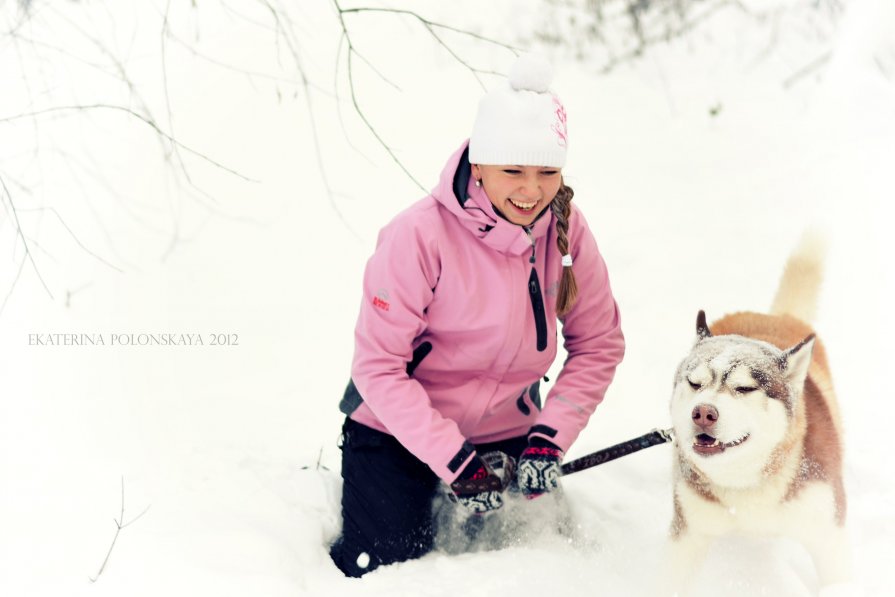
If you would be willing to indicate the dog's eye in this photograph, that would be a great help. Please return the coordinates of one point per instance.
(745, 389)
(694, 385)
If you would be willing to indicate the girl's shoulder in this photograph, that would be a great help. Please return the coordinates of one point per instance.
(420, 222)
(423, 212)
(578, 223)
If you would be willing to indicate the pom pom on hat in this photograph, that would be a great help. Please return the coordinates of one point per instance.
(521, 122)
(532, 73)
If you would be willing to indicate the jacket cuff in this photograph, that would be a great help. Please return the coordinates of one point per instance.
(546, 434)
(457, 463)
(536, 441)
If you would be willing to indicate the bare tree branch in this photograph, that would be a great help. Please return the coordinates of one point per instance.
(647, 40)
(136, 115)
(70, 293)
(13, 213)
(806, 70)
(71, 233)
(357, 108)
(341, 116)
(431, 27)
(433, 24)
(163, 36)
(883, 68)
(283, 31)
(120, 72)
(243, 71)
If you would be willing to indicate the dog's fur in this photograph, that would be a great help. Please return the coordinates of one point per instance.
(764, 378)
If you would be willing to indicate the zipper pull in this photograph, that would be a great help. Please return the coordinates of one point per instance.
(531, 238)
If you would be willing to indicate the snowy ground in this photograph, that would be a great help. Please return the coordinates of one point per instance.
(232, 448)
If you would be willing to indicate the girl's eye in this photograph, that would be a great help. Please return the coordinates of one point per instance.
(511, 171)
(694, 385)
(549, 172)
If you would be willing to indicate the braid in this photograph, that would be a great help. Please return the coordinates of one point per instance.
(561, 206)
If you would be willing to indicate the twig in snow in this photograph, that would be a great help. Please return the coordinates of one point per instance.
(120, 524)
(318, 466)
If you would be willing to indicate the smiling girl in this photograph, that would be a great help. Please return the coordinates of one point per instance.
(458, 325)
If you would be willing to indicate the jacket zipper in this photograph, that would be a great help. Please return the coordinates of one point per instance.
(537, 301)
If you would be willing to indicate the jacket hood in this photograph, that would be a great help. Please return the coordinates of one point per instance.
(472, 208)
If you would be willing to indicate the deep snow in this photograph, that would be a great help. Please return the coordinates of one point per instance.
(232, 448)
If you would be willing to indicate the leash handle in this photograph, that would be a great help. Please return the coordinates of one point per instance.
(653, 438)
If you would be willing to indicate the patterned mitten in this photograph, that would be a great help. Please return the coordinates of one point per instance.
(539, 468)
(478, 488)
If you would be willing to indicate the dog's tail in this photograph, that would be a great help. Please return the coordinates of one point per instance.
(802, 277)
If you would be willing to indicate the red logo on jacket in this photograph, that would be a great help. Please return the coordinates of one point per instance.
(381, 300)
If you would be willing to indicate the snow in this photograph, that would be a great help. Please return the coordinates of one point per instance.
(232, 448)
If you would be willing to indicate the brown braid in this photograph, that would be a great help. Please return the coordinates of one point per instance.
(562, 211)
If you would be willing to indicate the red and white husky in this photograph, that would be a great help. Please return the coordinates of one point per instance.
(759, 439)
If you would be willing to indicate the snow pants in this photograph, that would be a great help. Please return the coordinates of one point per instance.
(387, 497)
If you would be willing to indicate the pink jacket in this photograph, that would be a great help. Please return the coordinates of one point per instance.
(459, 278)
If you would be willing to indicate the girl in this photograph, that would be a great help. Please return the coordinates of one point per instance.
(458, 325)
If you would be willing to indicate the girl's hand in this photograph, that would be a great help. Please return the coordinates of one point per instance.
(539, 468)
(479, 486)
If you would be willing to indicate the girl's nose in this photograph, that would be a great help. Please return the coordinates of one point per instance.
(530, 188)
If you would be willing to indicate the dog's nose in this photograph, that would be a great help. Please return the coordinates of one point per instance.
(705, 415)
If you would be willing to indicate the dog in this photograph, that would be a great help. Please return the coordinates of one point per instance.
(758, 447)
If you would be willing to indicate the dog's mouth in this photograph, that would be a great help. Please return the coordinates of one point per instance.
(707, 445)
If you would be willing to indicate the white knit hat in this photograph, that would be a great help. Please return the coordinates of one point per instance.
(521, 122)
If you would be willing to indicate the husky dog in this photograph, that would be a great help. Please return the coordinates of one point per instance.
(759, 440)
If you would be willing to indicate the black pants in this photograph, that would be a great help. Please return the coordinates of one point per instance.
(387, 499)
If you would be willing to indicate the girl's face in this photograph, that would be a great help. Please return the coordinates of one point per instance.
(520, 193)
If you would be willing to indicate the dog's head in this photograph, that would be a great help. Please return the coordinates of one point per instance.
(734, 402)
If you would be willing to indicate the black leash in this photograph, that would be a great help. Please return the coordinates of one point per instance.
(648, 440)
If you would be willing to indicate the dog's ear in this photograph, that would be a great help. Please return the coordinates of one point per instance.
(796, 360)
(702, 328)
